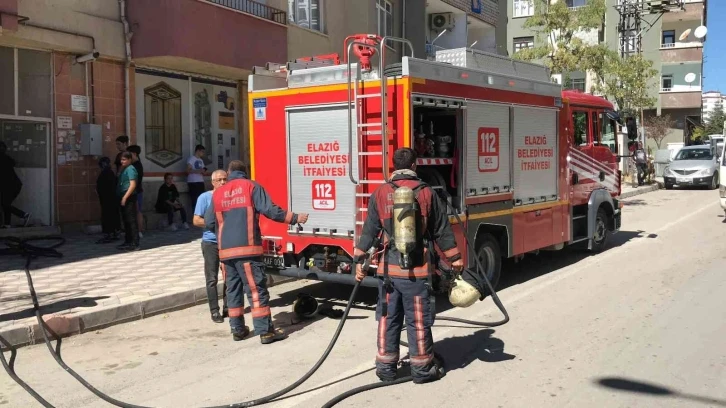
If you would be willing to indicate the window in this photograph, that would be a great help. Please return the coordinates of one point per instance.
(384, 11)
(31, 81)
(163, 124)
(306, 14)
(523, 8)
(629, 44)
(666, 82)
(576, 3)
(522, 43)
(595, 128)
(669, 37)
(581, 127)
(576, 83)
(607, 138)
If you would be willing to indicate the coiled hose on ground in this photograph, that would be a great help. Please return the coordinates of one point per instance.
(23, 247)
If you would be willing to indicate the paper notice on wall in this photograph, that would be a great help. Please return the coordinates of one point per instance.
(65, 122)
(61, 159)
(79, 103)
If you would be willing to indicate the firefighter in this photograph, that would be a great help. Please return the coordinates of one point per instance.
(406, 291)
(234, 217)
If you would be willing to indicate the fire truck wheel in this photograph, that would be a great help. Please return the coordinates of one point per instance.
(490, 257)
(600, 235)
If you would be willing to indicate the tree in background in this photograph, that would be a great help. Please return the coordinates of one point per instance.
(557, 44)
(560, 48)
(625, 81)
(714, 123)
(698, 134)
(657, 127)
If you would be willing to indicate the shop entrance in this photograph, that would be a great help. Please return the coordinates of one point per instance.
(29, 145)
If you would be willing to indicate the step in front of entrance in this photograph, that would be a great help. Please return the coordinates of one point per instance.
(29, 232)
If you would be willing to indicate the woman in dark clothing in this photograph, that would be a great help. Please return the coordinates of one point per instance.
(9, 189)
(106, 190)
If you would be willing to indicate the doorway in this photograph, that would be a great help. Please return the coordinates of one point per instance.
(28, 144)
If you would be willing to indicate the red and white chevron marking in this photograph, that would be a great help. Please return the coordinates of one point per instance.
(587, 167)
(434, 162)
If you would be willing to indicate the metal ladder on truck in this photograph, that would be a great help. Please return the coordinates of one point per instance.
(364, 133)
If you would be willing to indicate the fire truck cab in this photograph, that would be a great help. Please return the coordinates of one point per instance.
(525, 166)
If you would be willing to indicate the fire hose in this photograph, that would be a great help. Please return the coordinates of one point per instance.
(24, 248)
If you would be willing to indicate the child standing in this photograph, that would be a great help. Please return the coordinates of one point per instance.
(126, 192)
(167, 202)
(106, 190)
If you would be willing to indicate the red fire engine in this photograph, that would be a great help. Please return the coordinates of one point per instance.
(526, 166)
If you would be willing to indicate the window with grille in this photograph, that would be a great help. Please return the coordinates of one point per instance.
(307, 14)
(522, 43)
(577, 83)
(384, 11)
(523, 8)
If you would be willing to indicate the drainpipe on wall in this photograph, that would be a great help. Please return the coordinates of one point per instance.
(127, 66)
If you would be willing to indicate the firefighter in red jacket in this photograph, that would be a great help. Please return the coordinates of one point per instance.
(234, 217)
(406, 291)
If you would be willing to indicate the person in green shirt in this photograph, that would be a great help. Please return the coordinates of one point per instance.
(126, 191)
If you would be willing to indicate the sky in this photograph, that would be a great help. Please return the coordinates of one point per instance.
(714, 70)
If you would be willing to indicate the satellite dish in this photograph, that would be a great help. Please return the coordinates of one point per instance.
(684, 35)
(700, 32)
(690, 77)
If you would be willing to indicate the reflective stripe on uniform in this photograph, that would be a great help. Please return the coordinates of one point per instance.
(240, 252)
(421, 359)
(236, 311)
(257, 310)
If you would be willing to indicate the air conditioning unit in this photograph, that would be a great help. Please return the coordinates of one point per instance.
(441, 21)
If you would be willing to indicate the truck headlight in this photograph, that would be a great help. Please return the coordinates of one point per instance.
(705, 172)
(667, 170)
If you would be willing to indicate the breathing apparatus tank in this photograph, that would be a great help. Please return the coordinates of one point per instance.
(404, 223)
(467, 288)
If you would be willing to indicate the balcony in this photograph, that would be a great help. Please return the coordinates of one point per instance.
(681, 97)
(692, 12)
(682, 52)
(221, 38)
(254, 8)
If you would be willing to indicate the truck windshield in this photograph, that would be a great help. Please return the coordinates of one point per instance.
(608, 133)
(694, 154)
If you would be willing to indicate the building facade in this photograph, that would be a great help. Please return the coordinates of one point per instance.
(711, 101)
(318, 27)
(170, 74)
(668, 40)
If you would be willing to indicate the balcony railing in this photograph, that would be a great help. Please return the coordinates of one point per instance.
(691, 44)
(254, 8)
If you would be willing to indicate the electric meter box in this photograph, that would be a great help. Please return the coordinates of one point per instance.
(91, 140)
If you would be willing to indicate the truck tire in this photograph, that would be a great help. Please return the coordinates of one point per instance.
(490, 257)
(600, 234)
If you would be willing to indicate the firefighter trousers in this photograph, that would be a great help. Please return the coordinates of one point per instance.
(248, 275)
(407, 298)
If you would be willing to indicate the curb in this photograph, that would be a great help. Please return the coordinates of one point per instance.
(64, 324)
(641, 190)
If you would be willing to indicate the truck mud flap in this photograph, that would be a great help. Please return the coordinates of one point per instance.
(345, 279)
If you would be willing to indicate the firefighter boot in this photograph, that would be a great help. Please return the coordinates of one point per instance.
(272, 336)
(238, 335)
(434, 373)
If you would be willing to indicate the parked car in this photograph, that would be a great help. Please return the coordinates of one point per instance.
(693, 166)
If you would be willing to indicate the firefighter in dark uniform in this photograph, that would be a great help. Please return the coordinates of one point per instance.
(405, 292)
(234, 217)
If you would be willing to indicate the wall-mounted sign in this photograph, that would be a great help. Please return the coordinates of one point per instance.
(79, 103)
(64, 122)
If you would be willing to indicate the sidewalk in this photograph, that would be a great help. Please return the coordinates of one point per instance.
(94, 285)
(627, 190)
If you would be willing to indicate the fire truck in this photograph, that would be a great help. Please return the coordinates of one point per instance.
(524, 165)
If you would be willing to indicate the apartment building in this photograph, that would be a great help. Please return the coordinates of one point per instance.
(711, 101)
(319, 27)
(668, 40)
(170, 74)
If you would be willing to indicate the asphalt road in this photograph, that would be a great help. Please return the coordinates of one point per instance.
(641, 325)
